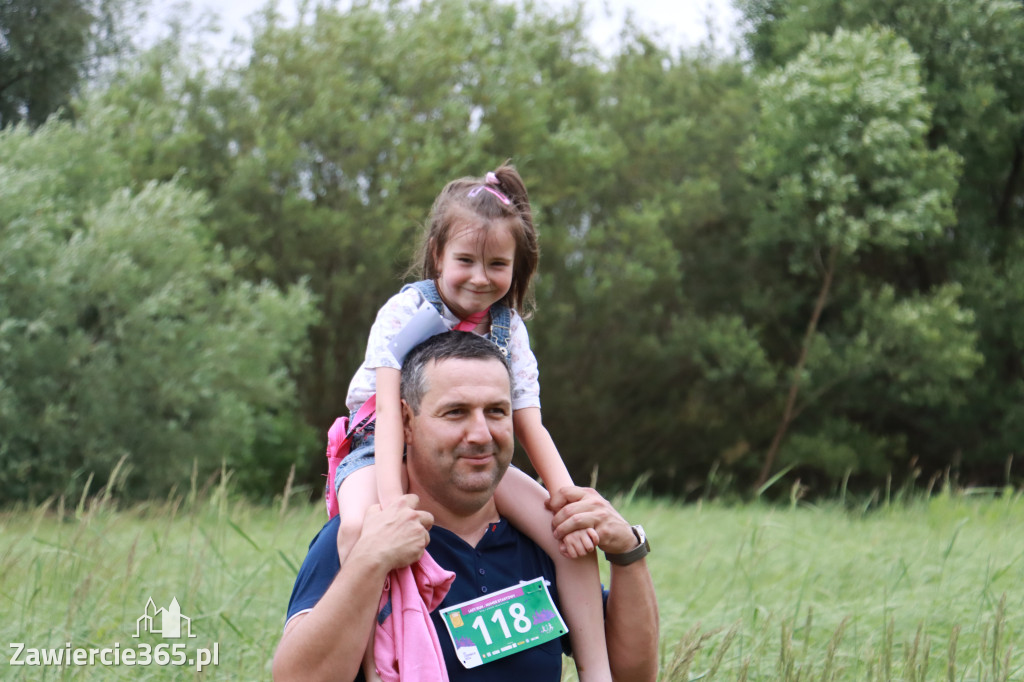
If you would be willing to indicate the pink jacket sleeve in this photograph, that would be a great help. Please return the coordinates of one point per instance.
(406, 646)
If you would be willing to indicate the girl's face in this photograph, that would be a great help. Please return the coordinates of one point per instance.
(475, 270)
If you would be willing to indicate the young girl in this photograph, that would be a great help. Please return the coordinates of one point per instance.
(478, 255)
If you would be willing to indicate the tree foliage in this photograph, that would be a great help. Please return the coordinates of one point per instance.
(810, 262)
(47, 48)
(125, 332)
(847, 179)
(970, 56)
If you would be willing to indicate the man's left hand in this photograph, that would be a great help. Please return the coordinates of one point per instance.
(577, 508)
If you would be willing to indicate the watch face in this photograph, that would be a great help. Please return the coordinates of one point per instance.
(638, 531)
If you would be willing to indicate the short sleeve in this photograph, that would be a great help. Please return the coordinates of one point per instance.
(391, 318)
(317, 572)
(525, 373)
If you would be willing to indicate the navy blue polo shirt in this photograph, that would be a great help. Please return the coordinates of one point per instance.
(504, 557)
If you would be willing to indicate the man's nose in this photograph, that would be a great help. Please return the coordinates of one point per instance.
(477, 430)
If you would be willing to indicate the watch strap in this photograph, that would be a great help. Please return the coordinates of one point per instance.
(635, 554)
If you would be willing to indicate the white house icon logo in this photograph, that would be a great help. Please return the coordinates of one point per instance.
(165, 622)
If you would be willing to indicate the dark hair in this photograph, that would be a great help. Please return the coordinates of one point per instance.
(451, 345)
(458, 199)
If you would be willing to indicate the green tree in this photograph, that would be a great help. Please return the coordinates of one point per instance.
(323, 152)
(674, 293)
(125, 332)
(640, 315)
(971, 55)
(47, 50)
(851, 190)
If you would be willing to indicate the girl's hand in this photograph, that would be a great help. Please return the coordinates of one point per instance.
(579, 543)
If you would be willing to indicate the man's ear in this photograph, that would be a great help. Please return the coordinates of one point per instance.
(407, 415)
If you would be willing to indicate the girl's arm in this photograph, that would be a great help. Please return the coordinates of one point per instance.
(543, 454)
(540, 448)
(389, 441)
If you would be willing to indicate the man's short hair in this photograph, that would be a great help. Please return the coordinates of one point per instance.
(451, 345)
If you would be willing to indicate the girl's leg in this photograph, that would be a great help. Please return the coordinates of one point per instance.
(355, 495)
(521, 500)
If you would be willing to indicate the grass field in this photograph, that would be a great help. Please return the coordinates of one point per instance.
(931, 589)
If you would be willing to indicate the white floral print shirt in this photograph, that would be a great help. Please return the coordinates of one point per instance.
(399, 309)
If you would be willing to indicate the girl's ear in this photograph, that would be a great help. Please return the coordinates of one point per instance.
(435, 256)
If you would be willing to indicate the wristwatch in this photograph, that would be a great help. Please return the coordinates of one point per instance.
(635, 554)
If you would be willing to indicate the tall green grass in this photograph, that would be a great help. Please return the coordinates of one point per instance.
(84, 575)
(929, 589)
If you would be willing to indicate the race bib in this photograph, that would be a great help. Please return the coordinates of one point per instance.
(508, 621)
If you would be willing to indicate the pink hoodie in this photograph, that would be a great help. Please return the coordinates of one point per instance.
(406, 647)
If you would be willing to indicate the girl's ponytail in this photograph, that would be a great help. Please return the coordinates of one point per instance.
(512, 185)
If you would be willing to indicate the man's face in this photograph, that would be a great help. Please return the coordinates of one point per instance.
(460, 444)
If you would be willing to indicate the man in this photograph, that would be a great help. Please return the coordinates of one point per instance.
(457, 417)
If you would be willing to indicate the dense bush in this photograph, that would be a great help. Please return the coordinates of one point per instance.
(125, 331)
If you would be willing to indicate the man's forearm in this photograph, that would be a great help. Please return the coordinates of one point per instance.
(631, 620)
(328, 642)
(631, 624)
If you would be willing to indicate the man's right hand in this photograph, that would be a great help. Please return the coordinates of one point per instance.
(577, 508)
(396, 535)
(328, 641)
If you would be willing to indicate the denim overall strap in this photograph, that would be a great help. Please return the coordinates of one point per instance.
(428, 289)
(501, 316)
(501, 328)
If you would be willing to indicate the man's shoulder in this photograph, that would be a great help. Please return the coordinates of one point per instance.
(327, 535)
(318, 569)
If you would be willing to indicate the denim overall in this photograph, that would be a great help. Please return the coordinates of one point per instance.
(501, 316)
(500, 335)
